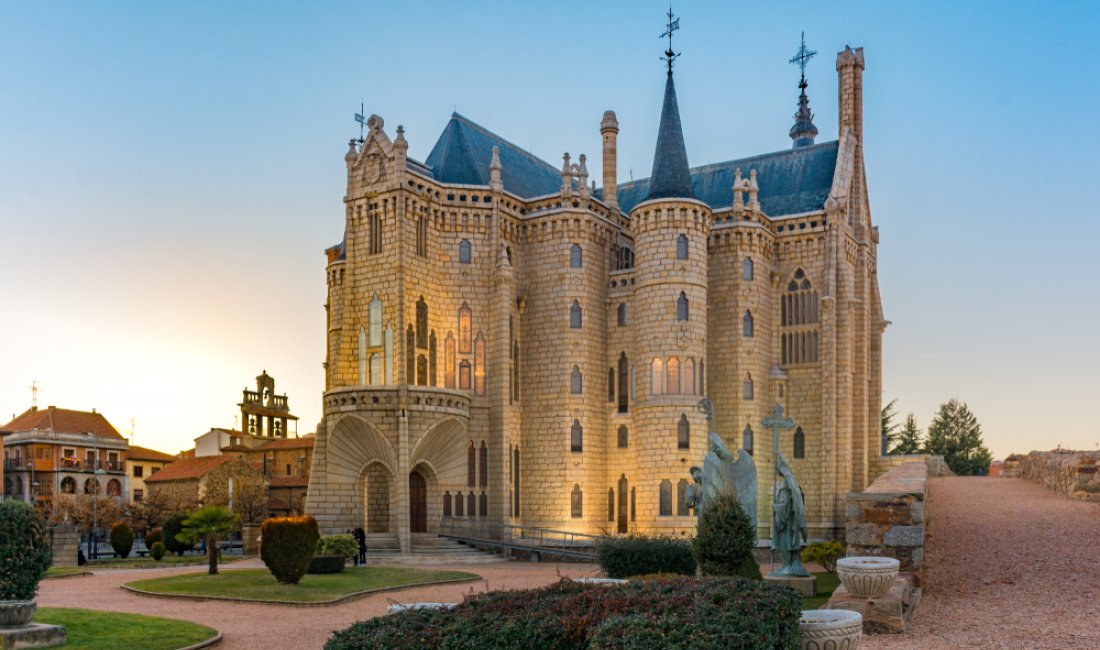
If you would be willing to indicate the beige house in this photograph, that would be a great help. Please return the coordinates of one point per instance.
(206, 481)
(141, 463)
(507, 343)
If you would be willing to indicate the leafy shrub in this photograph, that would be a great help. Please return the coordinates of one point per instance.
(623, 557)
(157, 551)
(326, 564)
(152, 537)
(286, 546)
(25, 554)
(724, 540)
(824, 553)
(122, 538)
(170, 535)
(677, 612)
(344, 545)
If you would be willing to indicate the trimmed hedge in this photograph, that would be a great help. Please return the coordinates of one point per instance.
(157, 551)
(326, 564)
(344, 545)
(635, 555)
(172, 527)
(25, 554)
(676, 612)
(286, 546)
(152, 537)
(724, 540)
(122, 538)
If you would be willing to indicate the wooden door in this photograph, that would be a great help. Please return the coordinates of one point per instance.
(418, 503)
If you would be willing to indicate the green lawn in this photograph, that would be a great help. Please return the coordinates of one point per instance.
(259, 584)
(95, 630)
(66, 571)
(826, 584)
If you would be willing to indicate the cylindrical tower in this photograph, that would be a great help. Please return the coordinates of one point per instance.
(609, 132)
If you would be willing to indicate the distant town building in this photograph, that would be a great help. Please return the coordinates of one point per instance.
(55, 451)
(141, 463)
(263, 413)
(193, 481)
(286, 465)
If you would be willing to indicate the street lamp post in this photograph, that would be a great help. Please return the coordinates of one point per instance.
(93, 546)
(30, 486)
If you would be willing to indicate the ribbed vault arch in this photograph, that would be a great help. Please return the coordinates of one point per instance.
(355, 443)
(443, 449)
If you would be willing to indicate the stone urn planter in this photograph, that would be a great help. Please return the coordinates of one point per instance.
(867, 577)
(16, 612)
(830, 629)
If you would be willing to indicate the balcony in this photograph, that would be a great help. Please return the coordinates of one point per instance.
(75, 465)
(14, 464)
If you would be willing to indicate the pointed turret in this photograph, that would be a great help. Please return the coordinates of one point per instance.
(803, 132)
(671, 177)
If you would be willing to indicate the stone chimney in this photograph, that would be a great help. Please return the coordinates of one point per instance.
(609, 129)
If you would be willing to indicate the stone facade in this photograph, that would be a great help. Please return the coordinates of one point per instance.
(1073, 473)
(536, 357)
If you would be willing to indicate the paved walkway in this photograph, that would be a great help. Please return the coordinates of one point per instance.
(1009, 564)
(267, 626)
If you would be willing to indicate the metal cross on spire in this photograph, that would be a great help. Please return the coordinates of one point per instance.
(802, 57)
(673, 25)
(361, 118)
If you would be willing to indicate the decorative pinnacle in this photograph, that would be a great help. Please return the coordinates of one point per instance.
(673, 25)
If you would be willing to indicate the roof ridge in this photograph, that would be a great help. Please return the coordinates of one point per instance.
(515, 147)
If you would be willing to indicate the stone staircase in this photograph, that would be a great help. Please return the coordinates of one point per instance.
(427, 548)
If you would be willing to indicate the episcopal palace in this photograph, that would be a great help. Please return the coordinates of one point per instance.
(511, 341)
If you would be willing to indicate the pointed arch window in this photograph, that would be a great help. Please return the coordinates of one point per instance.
(689, 377)
(576, 259)
(800, 318)
(449, 361)
(471, 464)
(421, 370)
(576, 502)
(376, 372)
(410, 356)
(460, 505)
(610, 385)
(421, 323)
(465, 255)
(624, 389)
(576, 381)
(375, 223)
(431, 360)
(657, 377)
(681, 247)
(746, 269)
(746, 439)
(374, 319)
(464, 375)
(633, 504)
(471, 504)
(672, 386)
(799, 443)
(447, 504)
(683, 433)
(576, 437)
(747, 388)
(665, 499)
(682, 307)
(364, 376)
(575, 315)
(479, 364)
(483, 505)
(465, 316)
(621, 315)
(624, 436)
(389, 362)
(515, 370)
(611, 504)
(483, 464)
(746, 324)
(422, 236)
(682, 509)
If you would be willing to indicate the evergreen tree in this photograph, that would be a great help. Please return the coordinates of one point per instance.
(909, 440)
(956, 435)
(889, 427)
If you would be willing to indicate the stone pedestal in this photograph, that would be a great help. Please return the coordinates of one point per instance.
(888, 613)
(34, 635)
(806, 586)
(250, 539)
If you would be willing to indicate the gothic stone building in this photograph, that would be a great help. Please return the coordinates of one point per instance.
(507, 343)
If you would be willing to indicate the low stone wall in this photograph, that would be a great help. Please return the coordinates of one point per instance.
(887, 519)
(1074, 473)
(64, 542)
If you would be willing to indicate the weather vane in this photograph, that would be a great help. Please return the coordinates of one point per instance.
(802, 57)
(673, 25)
(362, 120)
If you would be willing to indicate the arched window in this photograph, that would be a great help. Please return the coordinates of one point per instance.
(471, 464)
(460, 505)
(465, 338)
(611, 504)
(610, 385)
(799, 443)
(410, 356)
(471, 504)
(621, 314)
(746, 269)
(432, 359)
(447, 504)
(575, 258)
(665, 500)
(682, 307)
(422, 236)
(657, 377)
(746, 439)
(683, 433)
(576, 381)
(624, 437)
(464, 375)
(114, 488)
(689, 377)
(576, 437)
(421, 323)
(91, 485)
(421, 370)
(376, 378)
(633, 504)
(681, 247)
(672, 383)
(575, 315)
(800, 316)
(449, 360)
(682, 509)
(576, 501)
(374, 320)
(479, 364)
(483, 461)
(515, 482)
(747, 388)
(702, 377)
(464, 254)
(364, 375)
(515, 370)
(483, 505)
(68, 485)
(746, 324)
(624, 369)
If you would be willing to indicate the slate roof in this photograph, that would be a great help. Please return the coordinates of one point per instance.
(791, 181)
(63, 421)
(671, 178)
(464, 150)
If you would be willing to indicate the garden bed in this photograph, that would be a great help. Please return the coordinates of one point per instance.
(95, 630)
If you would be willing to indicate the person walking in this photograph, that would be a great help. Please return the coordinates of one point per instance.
(361, 537)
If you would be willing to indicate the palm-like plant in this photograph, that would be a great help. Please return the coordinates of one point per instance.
(210, 523)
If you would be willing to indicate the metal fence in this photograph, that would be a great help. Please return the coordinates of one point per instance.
(537, 542)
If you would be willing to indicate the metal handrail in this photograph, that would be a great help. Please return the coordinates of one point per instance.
(532, 539)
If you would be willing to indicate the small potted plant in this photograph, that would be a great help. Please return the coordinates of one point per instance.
(25, 557)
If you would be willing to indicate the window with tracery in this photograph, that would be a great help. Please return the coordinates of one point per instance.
(479, 364)
(800, 318)
(465, 340)
(449, 360)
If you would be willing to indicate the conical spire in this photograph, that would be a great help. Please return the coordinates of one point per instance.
(803, 132)
(671, 178)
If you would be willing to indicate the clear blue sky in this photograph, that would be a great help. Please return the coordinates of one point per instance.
(171, 172)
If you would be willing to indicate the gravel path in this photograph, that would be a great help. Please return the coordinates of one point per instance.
(265, 626)
(1009, 564)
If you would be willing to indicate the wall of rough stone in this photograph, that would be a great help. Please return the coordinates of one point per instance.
(64, 542)
(1074, 473)
(888, 518)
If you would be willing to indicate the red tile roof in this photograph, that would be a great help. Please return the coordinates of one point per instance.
(289, 482)
(189, 469)
(63, 421)
(143, 453)
(305, 442)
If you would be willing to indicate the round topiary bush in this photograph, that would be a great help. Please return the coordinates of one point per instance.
(122, 538)
(724, 540)
(157, 551)
(25, 554)
(287, 545)
(171, 529)
(152, 537)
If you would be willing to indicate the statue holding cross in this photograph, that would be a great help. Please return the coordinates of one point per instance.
(788, 509)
